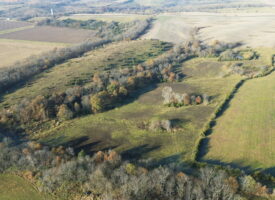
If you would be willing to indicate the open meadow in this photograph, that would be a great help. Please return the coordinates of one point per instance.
(244, 134)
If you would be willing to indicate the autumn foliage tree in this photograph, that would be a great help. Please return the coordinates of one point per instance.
(100, 101)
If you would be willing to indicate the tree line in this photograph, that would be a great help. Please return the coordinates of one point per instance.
(106, 176)
(105, 30)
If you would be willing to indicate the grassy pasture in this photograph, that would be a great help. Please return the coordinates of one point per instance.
(116, 55)
(120, 128)
(13, 187)
(107, 17)
(50, 34)
(244, 134)
(12, 51)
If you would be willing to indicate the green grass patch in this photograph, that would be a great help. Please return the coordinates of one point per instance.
(13, 187)
(244, 134)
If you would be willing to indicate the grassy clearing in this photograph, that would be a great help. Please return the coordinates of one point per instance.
(61, 77)
(121, 128)
(244, 134)
(123, 18)
(13, 187)
(12, 51)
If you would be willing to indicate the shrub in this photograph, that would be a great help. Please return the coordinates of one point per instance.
(248, 184)
(64, 113)
(100, 101)
(198, 100)
(156, 125)
(206, 99)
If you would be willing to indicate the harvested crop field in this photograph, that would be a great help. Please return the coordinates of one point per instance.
(253, 29)
(51, 34)
(6, 24)
(12, 51)
(244, 134)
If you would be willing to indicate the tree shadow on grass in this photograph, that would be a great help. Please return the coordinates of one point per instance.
(270, 170)
(138, 152)
(240, 165)
(80, 143)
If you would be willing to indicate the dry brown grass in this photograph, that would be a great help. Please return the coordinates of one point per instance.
(12, 51)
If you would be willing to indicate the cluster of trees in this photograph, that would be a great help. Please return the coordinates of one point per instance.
(249, 71)
(21, 71)
(106, 176)
(106, 30)
(172, 98)
(215, 49)
(230, 55)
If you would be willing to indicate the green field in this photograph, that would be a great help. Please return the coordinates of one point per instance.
(120, 128)
(13, 187)
(244, 134)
